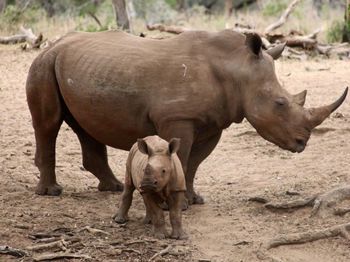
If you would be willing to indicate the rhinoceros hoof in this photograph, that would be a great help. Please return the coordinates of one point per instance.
(147, 220)
(111, 186)
(51, 190)
(120, 219)
(195, 199)
(178, 235)
(161, 234)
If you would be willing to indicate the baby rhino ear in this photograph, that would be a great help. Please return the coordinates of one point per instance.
(174, 145)
(142, 145)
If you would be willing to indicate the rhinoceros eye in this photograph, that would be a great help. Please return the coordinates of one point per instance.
(163, 171)
(281, 101)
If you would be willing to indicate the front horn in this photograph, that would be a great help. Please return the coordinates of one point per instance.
(317, 115)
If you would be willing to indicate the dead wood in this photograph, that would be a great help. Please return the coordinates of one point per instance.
(161, 253)
(300, 238)
(342, 49)
(95, 18)
(282, 19)
(7, 250)
(10, 40)
(131, 250)
(320, 203)
(62, 244)
(341, 211)
(26, 35)
(94, 230)
(54, 242)
(52, 256)
(168, 29)
(329, 199)
(291, 204)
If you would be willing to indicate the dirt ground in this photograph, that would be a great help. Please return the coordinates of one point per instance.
(227, 228)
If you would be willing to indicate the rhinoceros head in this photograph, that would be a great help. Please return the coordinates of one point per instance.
(158, 170)
(277, 115)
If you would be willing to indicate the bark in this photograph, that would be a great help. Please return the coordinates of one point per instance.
(2, 5)
(346, 30)
(228, 8)
(121, 15)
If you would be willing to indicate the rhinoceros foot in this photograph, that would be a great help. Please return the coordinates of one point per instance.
(178, 234)
(160, 233)
(120, 219)
(51, 190)
(110, 186)
(194, 199)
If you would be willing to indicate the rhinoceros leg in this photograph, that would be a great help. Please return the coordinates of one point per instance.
(185, 131)
(95, 158)
(45, 108)
(199, 152)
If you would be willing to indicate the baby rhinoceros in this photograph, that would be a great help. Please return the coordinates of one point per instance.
(154, 169)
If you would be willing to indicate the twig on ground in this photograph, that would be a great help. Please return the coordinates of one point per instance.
(131, 250)
(54, 242)
(141, 241)
(161, 253)
(341, 211)
(94, 230)
(57, 244)
(330, 199)
(52, 256)
(7, 250)
(291, 204)
(321, 203)
(299, 238)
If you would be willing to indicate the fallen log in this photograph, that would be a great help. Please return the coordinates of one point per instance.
(168, 29)
(26, 35)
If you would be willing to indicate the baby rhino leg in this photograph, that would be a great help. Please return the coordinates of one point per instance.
(175, 205)
(156, 214)
(122, 214)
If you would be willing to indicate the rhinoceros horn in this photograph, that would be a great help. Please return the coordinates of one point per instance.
(317, 115)
(276, 51)
(300, 98)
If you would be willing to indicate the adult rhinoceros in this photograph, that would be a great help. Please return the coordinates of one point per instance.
(112, 88)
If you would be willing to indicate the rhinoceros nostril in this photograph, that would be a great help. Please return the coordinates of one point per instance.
(155, 182)
(300, 142)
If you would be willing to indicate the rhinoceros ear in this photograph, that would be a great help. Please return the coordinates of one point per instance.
(174, 145)
(254, 43)
(300, 98)
(142, 145)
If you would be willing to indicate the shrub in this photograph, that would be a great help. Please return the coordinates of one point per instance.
(274, 8)
(335, 32)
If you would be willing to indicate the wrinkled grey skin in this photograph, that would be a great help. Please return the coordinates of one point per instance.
(154, 169)
(113, 88)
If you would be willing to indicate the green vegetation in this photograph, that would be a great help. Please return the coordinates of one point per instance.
(335, 32)
(274, 8)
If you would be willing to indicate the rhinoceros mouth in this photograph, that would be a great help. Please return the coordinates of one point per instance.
(300, 145)
(148, 188)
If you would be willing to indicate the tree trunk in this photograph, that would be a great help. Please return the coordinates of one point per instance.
(346, 31)
(180, 5)
(121, 15)
(2, 5)
(228, 8)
